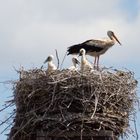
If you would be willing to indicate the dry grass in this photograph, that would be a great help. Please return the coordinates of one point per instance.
(68, 101)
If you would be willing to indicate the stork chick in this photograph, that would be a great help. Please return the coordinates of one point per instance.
(75, 61)
(85, 65)
(51, 65)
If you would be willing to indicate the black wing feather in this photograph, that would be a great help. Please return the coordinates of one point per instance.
(89, 47)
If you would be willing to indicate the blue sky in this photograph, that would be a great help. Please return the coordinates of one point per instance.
(130, 7)
(30, 30)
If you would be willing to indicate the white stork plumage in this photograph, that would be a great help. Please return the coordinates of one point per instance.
(95, 47)
(51, 65)
(75, 61)
(85, 65)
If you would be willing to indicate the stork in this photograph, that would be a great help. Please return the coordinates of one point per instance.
(51, 65)
(94, 47)
(85, 65)
(75, 61)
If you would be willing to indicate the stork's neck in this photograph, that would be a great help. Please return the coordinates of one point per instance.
(83, 58)
(74, 64)
(50, 63)
(110, 41)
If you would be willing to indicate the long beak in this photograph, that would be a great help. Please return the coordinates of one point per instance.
(46, 60)
(76, 61)
(80, 54)
(117, 39)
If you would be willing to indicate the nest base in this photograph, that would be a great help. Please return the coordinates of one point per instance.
(94, 135)
(67, 105)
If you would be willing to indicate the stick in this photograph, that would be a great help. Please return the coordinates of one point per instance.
(135, 125)
(63, 60)
(96, 103)
(57, 58)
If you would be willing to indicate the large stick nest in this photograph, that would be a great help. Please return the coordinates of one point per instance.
(71, 101)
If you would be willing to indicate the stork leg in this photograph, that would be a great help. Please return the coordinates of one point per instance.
(95, 61)
(98, 62)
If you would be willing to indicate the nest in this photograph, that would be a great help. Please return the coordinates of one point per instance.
(69, 102)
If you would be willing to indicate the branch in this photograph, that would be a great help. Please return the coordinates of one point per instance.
(57, 58)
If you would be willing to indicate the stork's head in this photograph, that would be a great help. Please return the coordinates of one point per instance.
(49, 58)
(112, 36)
(82, 52)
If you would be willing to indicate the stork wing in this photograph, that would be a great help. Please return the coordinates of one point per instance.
(74, 49)
(93, 45)
(89, 46)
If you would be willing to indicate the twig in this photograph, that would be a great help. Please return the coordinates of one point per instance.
(6, 106)
(135, 125)
(63, 60)
(7, 119)
(60, 80)
(22, 128)
(96, 103)
(57, 58)
(6, 128)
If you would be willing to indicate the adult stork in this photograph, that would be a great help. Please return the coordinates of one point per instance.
(51, 65)
(94, 47)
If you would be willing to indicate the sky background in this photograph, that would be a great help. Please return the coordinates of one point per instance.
(30, 30)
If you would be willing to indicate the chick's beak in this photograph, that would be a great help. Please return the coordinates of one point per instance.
(46, 60)
(77, 62)
(80, 54)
